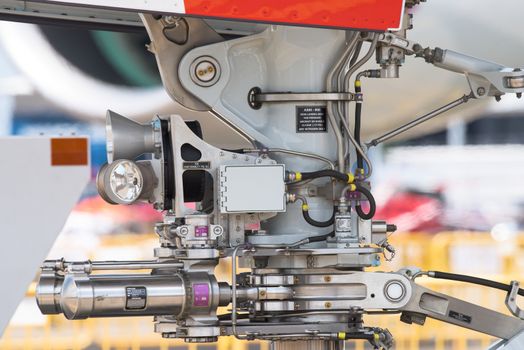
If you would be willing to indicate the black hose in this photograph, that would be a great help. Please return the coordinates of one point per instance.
(358, 122)
(372, 204)
(316, 223)
(321, 238)
(325, 173)
(473, 280)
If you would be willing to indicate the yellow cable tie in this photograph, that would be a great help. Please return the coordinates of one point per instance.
(305, 207)
(376, 336)
(358, 83)
(341, 335)
(352, 187)
(351, 178)
(298, 176)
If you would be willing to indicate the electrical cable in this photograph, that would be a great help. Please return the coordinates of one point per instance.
(473, 280)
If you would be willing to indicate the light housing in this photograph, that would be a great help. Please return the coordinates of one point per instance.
(122, 182)
(127, 139)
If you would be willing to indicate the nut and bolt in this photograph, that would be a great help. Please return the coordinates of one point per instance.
(481, 91)
(183, 230)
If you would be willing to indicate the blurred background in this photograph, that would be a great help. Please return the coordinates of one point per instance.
(454, 187)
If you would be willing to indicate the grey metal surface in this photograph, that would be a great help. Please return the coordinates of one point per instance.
(461, 313)
(515, 343)
(307, 345)
(171, 39)
(264, 184)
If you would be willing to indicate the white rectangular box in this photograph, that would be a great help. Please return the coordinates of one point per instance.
(252, 189)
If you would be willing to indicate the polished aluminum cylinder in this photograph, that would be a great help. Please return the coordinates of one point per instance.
(316, 344)
(83, 296)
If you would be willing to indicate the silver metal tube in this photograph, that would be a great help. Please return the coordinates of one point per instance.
(313, 344)
(420, 120)
(345, 121)
(458, 62)
(295, 153)
(331, 115)
(134, 265)
(82, 296)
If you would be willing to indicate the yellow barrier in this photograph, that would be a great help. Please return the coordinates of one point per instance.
(445, 251)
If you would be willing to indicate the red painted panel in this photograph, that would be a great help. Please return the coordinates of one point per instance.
(359, 14)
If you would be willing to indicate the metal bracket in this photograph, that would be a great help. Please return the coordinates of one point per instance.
(256, 97)
(511, 300)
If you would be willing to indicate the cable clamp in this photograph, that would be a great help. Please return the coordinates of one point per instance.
(511, 300)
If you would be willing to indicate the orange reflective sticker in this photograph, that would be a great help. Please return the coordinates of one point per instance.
(69, 151)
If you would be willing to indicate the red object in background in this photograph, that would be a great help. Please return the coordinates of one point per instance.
(379, 15)
(413, 211)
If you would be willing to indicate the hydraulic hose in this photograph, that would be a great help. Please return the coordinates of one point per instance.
(372, 204)
(327, 173)
(313, 222)
(473, 280)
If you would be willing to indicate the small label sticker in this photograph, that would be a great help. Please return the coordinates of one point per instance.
(459, 317)
(196, 165)
(200, 294)
(69, 151)
(311, 119)
(201, 231)
(136, 298)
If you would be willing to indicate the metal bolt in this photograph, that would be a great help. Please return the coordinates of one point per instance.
(481, 91)
(184, 231)
(217, 230)
(327, 305)
(262, 293)
(327, 278)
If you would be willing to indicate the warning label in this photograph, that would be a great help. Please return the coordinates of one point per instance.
(311, 119)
